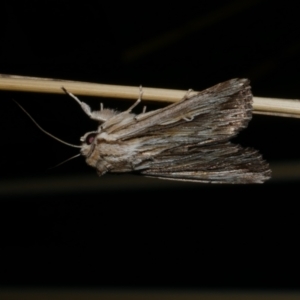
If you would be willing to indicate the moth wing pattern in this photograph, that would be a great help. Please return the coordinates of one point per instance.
(189, 140)
(219, 112)
(222, 163)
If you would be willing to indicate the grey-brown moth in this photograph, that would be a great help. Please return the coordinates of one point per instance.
(188, 140)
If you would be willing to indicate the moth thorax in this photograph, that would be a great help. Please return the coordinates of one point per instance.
(105, 114)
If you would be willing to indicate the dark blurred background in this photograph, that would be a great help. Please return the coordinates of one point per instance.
(67, 227)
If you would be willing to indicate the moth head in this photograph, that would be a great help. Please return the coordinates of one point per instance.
(88, 143)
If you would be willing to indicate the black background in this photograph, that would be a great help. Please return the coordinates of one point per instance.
(126, 230)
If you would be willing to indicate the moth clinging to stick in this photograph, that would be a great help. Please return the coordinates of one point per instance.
(187, 140)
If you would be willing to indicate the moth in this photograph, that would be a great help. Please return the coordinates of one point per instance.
(188, 140)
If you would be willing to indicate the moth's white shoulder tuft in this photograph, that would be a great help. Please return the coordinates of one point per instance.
(104, 114)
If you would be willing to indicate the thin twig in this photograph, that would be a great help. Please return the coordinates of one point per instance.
(266, 106)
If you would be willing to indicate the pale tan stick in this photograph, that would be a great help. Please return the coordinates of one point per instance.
(266, 106)
(47, 85)
(277, 107)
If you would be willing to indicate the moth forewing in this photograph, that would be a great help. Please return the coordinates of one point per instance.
(187, 140)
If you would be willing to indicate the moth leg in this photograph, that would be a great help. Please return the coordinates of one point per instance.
(133, 106)
(141, 92)
(187, 94)
(140, 99)
(188, 119)
(137, 101)
(136, 118)
(85, 107)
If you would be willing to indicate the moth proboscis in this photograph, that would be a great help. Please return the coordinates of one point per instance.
(188, 140)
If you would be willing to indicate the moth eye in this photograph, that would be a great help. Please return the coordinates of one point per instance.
(90, 138)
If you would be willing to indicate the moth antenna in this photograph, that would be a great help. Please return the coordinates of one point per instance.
(63, 162)
(43, 130)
